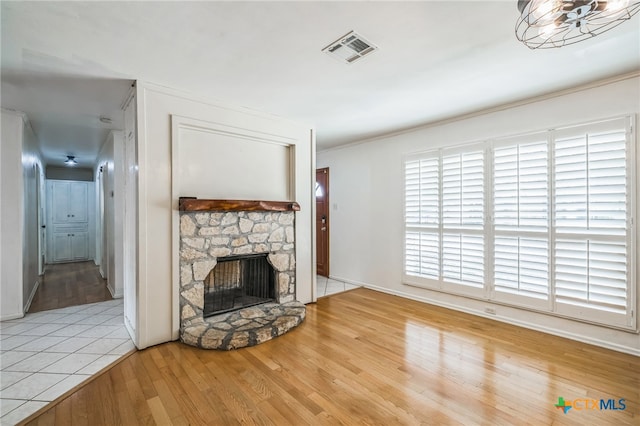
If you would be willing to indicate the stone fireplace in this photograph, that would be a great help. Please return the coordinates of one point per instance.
(237, 272)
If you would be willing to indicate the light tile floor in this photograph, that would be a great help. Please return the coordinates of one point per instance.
(328, 286)
(45, 354)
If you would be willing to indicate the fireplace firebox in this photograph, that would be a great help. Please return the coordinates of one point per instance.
(238, 282)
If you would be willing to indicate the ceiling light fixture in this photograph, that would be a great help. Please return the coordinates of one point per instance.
(71, 160)
(544, 24)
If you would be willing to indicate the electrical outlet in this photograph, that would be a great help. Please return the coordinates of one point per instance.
(491, 311)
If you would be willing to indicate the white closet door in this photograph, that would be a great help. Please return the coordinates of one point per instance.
(61, 247)
(80, 245)
(69, 230)
(78, 202)
(60, 202)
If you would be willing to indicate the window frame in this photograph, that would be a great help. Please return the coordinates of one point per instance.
(440, 284)
(488, 292)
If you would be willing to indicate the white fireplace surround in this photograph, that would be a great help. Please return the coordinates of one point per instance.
(274, 168)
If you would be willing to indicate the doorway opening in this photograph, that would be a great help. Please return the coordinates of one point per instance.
(70, 277)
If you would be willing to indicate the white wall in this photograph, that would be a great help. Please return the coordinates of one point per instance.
(11, 219)
(128, 205)
(118, 214)
(31, 174)
(367, 189)
(157, 291)
(20, 162)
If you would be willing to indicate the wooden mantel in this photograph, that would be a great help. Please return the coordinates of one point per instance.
(190, 204)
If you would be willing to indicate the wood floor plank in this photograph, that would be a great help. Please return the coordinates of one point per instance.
(126, 411)
(47, 418)
(79, 407)
(364, 357)
(69, 284)
(63, 412)
(158, 411)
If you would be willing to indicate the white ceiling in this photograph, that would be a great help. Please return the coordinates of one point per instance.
(67, 63)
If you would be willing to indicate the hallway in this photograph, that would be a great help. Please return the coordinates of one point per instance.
(70, 284)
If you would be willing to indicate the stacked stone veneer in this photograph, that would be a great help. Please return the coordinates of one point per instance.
(205, 237)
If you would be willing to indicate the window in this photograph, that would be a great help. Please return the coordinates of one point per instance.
(521, 220)
(422, 217)
(591, 210)
(445, 218)
(463, 218)
(542, 221)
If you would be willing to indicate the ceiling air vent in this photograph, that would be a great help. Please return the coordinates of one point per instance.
(350, 47)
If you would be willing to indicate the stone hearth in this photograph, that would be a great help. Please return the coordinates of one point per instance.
(245, 327)
(207, 236)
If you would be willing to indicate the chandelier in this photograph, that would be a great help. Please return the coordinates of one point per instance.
(544, 24)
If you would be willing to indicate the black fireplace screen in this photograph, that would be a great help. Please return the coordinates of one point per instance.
(238, 282)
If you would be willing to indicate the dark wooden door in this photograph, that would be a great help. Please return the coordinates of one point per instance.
(322, 221)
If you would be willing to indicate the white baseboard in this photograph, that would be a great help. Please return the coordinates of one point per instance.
(561, 333)
(114, 293)
(10, 317)
(348, 281)
(31, 296)
(130, 330)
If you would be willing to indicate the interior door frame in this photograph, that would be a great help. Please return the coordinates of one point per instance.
(102, 247)
(48, 221)
(328, 221)
(40, 204)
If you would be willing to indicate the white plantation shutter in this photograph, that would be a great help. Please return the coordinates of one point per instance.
(522, 266)
(592, 274)
(560, 238)
(412, 192)
(521, 218)
(521, 187)
(422, 254)
(421, 192)
(463, 190)
(463, 259)
(463, 218)
(444, 217)
(591, 182)
(592, 250)
(422, 215)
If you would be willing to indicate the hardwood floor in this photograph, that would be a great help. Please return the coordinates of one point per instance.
(364, 357)
(69, 284)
